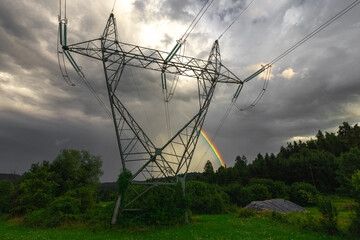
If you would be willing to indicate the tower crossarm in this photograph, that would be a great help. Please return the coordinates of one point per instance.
(142, 57)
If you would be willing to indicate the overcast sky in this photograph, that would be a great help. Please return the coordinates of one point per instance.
(316, 87)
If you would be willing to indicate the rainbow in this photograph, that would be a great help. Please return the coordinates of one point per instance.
(213, 147)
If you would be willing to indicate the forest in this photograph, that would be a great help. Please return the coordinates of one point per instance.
(67, 189)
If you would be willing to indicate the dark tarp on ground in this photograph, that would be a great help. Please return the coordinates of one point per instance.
(279, 205)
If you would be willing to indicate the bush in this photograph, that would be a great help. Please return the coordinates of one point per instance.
(206, 198)
(241, 196)
(245, 213)
(124, 181)
(85, 196)
(259, 192)
(63, 209)
(355, 221)
(163, 205)
(329, 214)
(278, 216)
(277, 189)
(99, 218)
(303, 194)
(6, 193)
(354, 227)
(280, 190)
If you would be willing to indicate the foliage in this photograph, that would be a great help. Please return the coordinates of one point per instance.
(124, 181)
(259, 192)
(73, 168)
(62, 209)
(35, 189)
(86, 197)
(329, 214)
(75, 173)
(277, 189)
(245, 213)
(303, 194)
(327, 162)
(208, 175)
(52, 194)
(355, 223)
(164, 205)
(6, 194)
(239, 195)
(206, 198)
(349, 162)
(354, 227)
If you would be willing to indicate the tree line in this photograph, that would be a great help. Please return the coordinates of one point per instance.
(326, 162)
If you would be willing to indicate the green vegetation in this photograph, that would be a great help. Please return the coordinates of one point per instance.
(52, 194)
(205, 227)
(6, 194)
(64, 195)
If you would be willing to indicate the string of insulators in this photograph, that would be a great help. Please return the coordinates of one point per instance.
(163, 80)
(173, 51)
(73, 63)
(238, 90)
(63, 33)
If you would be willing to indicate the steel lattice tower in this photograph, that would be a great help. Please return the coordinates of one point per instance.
(153, 162)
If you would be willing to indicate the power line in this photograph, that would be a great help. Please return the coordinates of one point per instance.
(317, 30)
(236, 18)
(262, 92)
(196, 20)
(275, 60)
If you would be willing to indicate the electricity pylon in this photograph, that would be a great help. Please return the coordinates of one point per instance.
(151, 163)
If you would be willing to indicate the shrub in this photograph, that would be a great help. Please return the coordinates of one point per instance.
(245, 213)
(63, 209)
(354, 227)
(303, 194)
(277, 189)
(241, 196)
(99, 218)
(329, 214)
(124, 181)
(355, 221)
(268, 183)
(85, 196)
(259, 192)
(206, 198)
(278, 216)
(280, 190)
(6, 193)
(164, 205)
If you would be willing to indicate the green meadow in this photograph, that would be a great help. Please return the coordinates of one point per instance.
(227, 226)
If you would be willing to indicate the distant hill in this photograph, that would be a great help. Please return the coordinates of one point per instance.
(9, 176)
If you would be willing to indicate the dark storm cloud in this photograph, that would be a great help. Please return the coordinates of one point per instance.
(315, 87)
(177, 10)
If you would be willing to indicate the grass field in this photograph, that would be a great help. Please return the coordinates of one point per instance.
(205, 227)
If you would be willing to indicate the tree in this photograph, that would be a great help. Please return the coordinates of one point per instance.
(209, 175)
(348, 163)
(73, 173)
(6, 193)
(74, 168)
(242, 169)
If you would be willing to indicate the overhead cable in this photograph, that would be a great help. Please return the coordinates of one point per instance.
(317, 30)
(236, 18)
